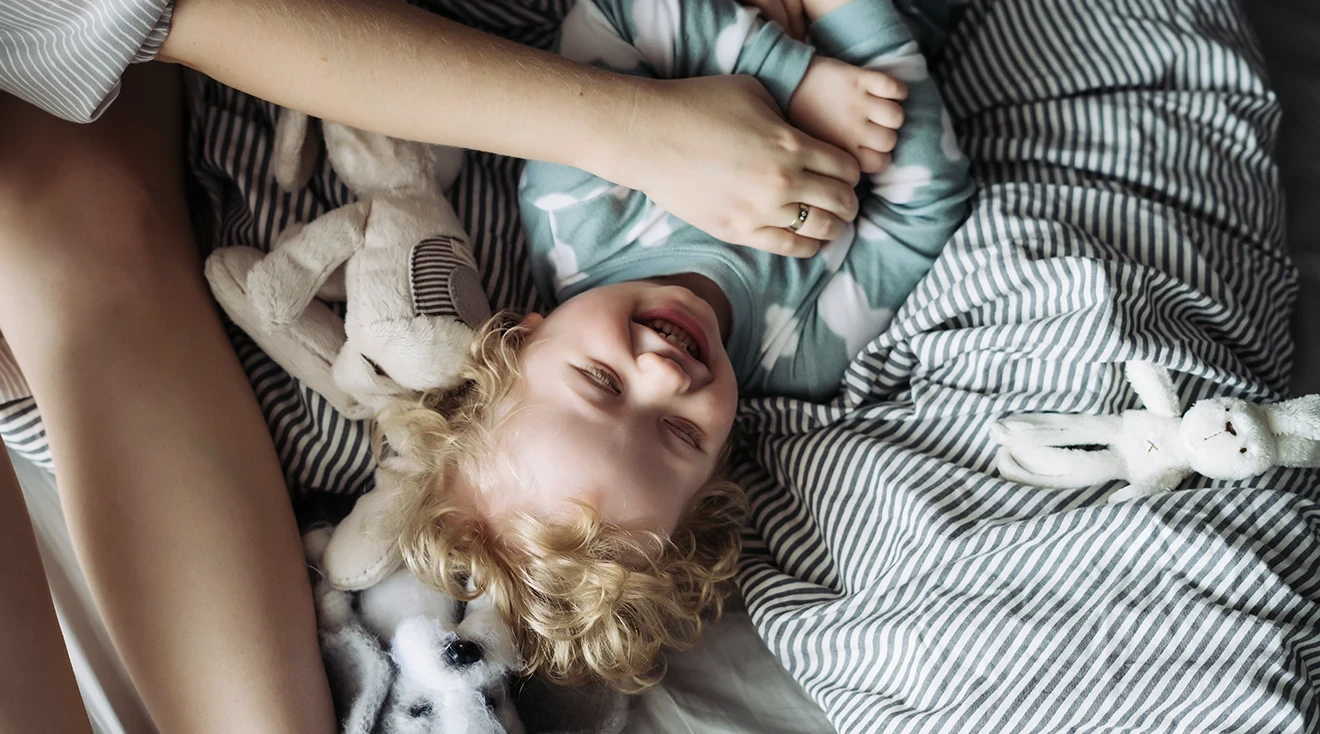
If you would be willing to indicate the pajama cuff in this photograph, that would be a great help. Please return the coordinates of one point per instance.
(854, 31)
(67, 58)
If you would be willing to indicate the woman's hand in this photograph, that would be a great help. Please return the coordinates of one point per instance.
(715, 152)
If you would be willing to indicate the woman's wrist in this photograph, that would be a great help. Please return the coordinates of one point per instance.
(623, 134)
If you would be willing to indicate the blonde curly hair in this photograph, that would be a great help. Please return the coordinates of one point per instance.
(587, 600)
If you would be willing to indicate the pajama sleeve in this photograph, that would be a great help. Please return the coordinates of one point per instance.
(66, 56)
(914, 206)
(678, 39)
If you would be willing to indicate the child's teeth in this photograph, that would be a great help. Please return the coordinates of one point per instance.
(674, 334)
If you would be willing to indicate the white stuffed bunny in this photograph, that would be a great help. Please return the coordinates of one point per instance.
(411, 285)
(1155, 449)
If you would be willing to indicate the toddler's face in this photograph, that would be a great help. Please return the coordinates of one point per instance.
(625, 402)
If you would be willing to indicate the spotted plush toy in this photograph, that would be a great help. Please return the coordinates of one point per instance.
(412, 659)
(403, 658)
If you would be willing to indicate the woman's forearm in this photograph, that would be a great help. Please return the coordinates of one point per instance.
(386, 66)
(714, 152)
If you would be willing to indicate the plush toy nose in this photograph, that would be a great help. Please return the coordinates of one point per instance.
(462, 653)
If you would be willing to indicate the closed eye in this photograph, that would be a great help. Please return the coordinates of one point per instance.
(688, 432)
(604, 379)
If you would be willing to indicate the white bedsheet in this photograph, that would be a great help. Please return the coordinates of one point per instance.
(111, 702)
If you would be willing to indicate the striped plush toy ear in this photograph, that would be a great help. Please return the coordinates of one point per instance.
(444, 281)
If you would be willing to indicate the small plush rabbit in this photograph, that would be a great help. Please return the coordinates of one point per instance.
(1155, 449)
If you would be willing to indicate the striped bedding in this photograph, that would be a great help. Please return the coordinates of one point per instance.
(1128, 208)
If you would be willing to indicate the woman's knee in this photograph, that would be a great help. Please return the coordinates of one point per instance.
(94, 227)
(87, 220)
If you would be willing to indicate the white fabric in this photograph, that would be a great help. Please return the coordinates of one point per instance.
(112, 704)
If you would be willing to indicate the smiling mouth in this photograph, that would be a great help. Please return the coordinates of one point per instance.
(674, 334)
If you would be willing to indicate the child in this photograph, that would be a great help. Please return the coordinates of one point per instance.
(576, 475)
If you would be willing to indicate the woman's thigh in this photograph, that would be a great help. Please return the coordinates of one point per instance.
(167, 475)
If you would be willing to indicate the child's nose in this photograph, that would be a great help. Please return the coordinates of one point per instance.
(663, 374)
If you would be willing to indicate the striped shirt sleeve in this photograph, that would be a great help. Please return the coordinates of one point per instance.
(66, 56)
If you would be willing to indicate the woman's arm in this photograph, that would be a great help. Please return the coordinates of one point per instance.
(715, 152)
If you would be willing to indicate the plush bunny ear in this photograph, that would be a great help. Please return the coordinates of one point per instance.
(1295, 451)
(1155, 388)
(296, 148)
(1299, 417)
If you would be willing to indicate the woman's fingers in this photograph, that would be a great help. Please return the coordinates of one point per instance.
(828, 195)
(719, 156)
(831, 162)
(787, 13)
(780, 241)
(819, 225)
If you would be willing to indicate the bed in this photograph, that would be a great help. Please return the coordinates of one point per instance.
(962, 598)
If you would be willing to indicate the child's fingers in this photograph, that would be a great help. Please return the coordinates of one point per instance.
(879, 138)
(880, 84)
(885, 113)
(873, 161)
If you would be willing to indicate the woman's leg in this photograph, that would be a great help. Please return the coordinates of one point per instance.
(37, 688)
(168, 477)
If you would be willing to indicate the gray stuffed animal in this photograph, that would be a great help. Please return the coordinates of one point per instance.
(403, 658)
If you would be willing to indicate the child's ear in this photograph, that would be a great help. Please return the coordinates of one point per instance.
(531, 321)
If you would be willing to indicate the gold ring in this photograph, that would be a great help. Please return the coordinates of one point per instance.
(803, 212)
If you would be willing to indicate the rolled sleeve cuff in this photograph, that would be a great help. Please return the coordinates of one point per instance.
(69, 60)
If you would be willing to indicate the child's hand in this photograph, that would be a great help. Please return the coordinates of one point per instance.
(789, 14)
(854, 109)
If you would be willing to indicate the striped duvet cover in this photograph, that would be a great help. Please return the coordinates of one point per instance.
(1128, 208)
